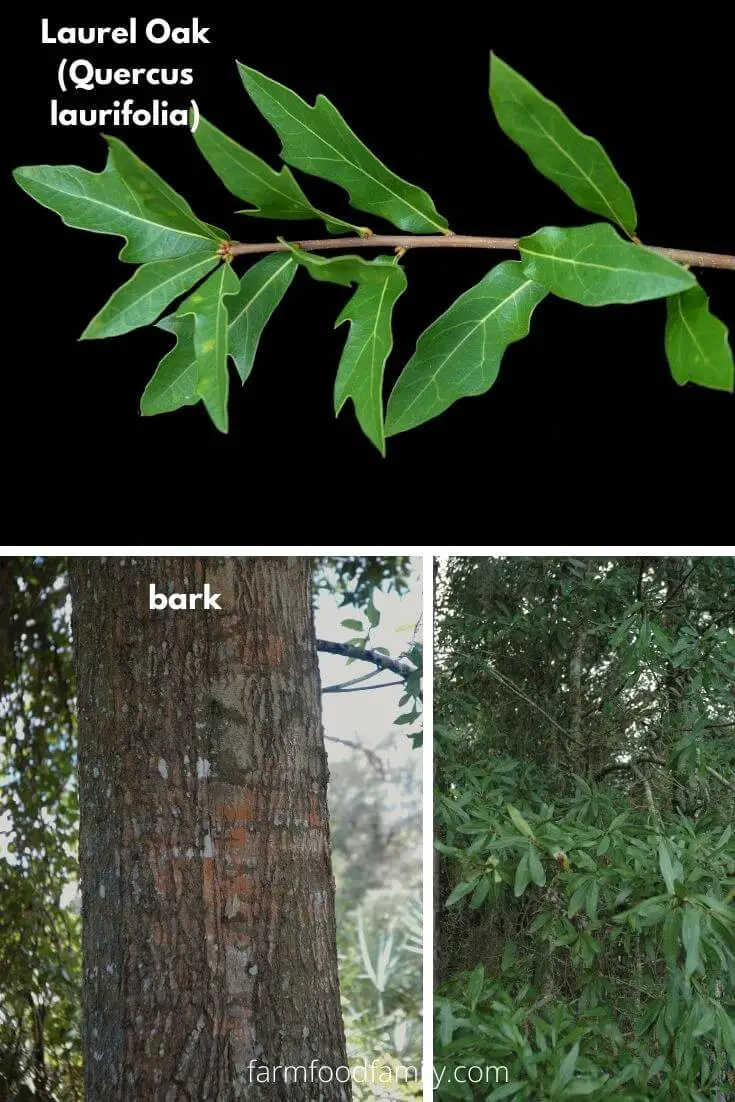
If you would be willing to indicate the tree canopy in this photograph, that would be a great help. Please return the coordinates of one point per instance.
(584, 806)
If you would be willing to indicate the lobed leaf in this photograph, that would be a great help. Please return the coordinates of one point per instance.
(174, 383)
(318, 140)
(127, 199)
(150, 290)
(592, 265)
(153, 191)
(561, 152)
(210, 340)
(380, 283)
(459, 354)
(249, 308)
(696, 342)
(273, 194)
(261, 289)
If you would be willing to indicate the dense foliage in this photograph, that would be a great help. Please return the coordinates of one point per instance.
(221, 317)
(586, 858)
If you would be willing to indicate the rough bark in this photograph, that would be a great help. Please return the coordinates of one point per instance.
(208, 899)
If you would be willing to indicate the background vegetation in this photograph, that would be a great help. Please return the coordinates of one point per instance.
(586, 862)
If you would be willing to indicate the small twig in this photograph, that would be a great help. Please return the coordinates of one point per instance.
(621, 765)
(679, 585)
(720, 778)
(352, 681)
(359, 688)
(375, 760)
(452, 241)
(648, 760)
(384, 661)
(650, 803)
(511, 685)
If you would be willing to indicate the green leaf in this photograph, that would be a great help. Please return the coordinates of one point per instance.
(592, 265)
(583, 1087)
(509, 955)
(353, 625)
(523, 876)
(475, 985)
(578, 897)
(261, 289)
(592, 899)
(174, 383)
(506, 1090)
(575, 162)
(153, 286)
(273, 194)
(372, 614)
(459, 354)
(696, 342)
(521, 825)
(127, 199)
(566, 1069)
(671, 938)
(210, 340)
(690, 938)
(380, 283)
(480, 893)
(319, 141)
(535, 867)
(666, 866)
(462, 889)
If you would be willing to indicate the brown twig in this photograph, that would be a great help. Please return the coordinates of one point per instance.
(452, 241)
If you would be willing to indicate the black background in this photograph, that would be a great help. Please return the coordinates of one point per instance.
(583, 439)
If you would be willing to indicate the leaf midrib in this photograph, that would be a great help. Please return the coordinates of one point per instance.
(170, 196)
(569, 157)
(121, 210)
(432, 378)
(347, 161)
(257, 294)
(588, 263)
(371, 339)
(149, 293)
(707, 362)
(302, 202)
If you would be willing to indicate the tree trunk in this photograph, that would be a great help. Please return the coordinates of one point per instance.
(208, 900)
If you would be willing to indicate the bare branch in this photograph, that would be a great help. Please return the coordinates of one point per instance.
(375, 760)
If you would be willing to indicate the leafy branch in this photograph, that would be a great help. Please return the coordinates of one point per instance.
(223, 316)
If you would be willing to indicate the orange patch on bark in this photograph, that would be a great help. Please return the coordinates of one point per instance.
(315, 815)
(208, 881)
(242, 886)
(243, 812)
